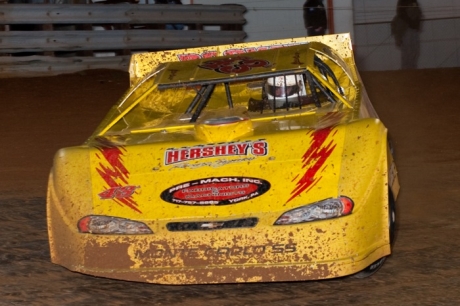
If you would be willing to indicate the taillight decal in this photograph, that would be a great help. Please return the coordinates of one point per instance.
(313, 160)
(115, 174)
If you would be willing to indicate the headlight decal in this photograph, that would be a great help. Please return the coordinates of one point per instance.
(322, 210)
(107, 225)
(314, 159)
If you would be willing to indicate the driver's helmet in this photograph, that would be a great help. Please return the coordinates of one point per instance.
(285, 87)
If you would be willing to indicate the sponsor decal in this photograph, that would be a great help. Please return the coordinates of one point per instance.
(172, 74)
(222, 252)
(313, 160)
(194, 56)
(115, 175)
(118, 192)
(232, 51)
(185, 154)
(237, 64)
(215, 164)
(216, 191)
(296, 59)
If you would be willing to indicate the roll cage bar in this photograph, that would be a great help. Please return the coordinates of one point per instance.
(203, 95)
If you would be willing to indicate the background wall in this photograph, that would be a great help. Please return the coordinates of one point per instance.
(368, 21)
(375, 48)
(268, 19)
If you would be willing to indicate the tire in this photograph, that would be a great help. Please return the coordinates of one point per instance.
(392, 217)
(376, 265)
(370, 270)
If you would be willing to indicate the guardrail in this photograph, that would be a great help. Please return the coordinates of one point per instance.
(49, 39)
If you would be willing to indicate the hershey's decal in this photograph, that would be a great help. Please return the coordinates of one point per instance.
(246, 148)
(216, 191)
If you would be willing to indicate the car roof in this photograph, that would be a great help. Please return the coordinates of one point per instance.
(223, 69)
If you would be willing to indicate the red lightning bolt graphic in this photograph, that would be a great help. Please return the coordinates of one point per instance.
(313, 160)
(116, 171)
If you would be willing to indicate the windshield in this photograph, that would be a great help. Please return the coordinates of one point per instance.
(156, 104)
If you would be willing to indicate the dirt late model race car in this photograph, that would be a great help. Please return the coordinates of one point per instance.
(255, 162)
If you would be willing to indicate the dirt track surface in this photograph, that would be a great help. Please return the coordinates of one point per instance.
(420, 109)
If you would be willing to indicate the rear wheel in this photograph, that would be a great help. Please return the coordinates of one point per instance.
(376, 265)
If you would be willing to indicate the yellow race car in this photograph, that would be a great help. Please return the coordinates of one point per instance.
(256, 162)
